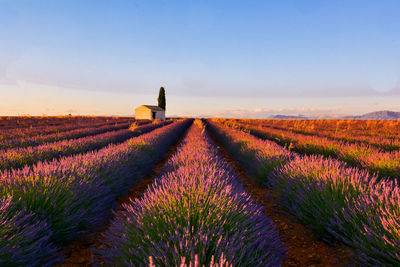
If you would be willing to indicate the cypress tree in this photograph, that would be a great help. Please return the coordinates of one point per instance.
(161, 98)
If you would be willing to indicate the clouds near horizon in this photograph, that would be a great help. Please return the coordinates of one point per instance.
(238, 49)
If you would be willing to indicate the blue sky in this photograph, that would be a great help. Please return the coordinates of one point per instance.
(222, 58)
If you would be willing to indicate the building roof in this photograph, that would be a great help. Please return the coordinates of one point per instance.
(154, 108)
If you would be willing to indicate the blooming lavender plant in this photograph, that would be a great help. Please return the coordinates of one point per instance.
(341, 203)
(375, 215)
(346, 204)
(24, 240)
(314, 188)
(8, 133)
(76, 193)
(20, 157)
(197, 207)
(258, 157)
(386, 164)
(222, 262)
(54, 137)
(380, 134)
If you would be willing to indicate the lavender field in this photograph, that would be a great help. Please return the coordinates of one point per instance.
(102, 191)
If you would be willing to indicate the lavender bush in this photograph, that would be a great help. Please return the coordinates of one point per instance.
(196, 210)
(222, 262)
(314, 188)
(24, 240)
(259, 157)
(76, 193)
(344, 203)
(58, 136)
(376, 218)
(20, 157)
(386, 164)
(339, 202)
(47, 127)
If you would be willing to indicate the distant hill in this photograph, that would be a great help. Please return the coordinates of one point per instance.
(377, 115)
(288, 117)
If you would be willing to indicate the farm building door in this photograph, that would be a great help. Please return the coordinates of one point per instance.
(153, 115)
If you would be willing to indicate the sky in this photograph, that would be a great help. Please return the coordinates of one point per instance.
(214, 58)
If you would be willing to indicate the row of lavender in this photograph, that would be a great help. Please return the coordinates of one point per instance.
(13, 133)
(20, 157)
(386, 164)
(52, 203)
(391, 143)
(54, 137)
(195, 213)
(386, 129)
(336, 201)
(21, 122)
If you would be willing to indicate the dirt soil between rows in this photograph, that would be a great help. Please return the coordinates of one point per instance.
(80, 253)
(304, 248)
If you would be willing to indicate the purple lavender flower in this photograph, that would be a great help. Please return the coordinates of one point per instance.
(76, 193)
(20, 157)
(197, 210)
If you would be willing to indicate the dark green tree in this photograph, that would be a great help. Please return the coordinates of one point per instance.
(161, 98)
